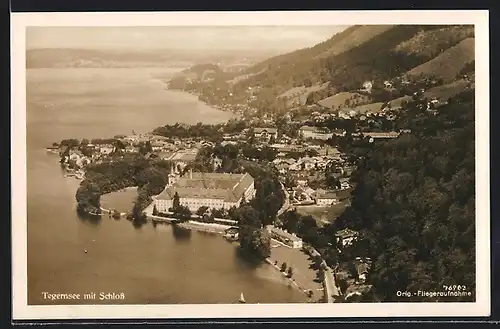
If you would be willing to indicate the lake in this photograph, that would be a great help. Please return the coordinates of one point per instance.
(149, 264)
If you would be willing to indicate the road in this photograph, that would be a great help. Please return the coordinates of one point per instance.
(330, 286)
(286, 203)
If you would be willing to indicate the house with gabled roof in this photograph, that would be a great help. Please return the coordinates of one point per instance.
(265, 133)
(325, 198)
(346, 236)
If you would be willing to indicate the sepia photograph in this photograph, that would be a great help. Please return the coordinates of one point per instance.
(222, 165)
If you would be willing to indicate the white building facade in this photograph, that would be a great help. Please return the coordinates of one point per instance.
(219, 191)
(315, 133)
(285, 237)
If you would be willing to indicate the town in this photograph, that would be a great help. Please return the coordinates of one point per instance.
(211, 173)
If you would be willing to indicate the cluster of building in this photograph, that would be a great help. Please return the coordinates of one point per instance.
(307, 170)
(180, 152)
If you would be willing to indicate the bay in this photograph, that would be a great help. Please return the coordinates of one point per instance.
(150, 264)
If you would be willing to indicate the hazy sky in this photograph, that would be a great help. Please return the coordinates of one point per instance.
(273, 37)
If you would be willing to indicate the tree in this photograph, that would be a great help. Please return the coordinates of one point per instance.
(249, 217)
(289, 181)
(70, 143)
(155, 211)
(119, 145)
(116, 214)
(183, 213)
(145, 148)
(243, 200)
(289, 272)
(291, 221)
(252, 236)
(176, 202)
(283, 267)
(202, 211)
(410, 199)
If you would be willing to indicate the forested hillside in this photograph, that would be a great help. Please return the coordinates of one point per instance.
(414, 203)
(337, 44)
(429, 55)
(449, 63)
(383, 53)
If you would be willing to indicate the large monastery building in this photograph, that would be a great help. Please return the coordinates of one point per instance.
(213, 190)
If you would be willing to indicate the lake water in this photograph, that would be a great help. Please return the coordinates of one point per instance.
(121, 201)
(149, 264)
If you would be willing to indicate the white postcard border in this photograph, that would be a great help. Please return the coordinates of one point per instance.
(23, 311)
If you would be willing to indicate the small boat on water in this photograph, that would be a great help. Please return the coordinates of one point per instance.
(54, 150)
(242, 299)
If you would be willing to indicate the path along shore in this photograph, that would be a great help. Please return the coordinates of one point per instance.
(303, 278)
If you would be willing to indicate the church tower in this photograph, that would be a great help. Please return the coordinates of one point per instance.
(172, 177)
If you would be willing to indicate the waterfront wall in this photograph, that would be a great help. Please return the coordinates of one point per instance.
(204, 227)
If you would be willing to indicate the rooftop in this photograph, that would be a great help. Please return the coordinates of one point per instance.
(391, 134)
(227, 187)
(344, 194)
(345, 233)
(269, 130)
(322, 194)
(357, 290)
(282, 233)
(186, 156)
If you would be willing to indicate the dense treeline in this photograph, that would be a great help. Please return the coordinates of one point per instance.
(414, 203)
(321, 238)
(374, 59)
(200, 130)
(269, 196)
(211, 132)
(253, 237)
(149, 176)
(254, 215)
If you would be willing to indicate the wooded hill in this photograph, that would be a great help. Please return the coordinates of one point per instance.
(349, 59)
(376, 51)
(414, 204)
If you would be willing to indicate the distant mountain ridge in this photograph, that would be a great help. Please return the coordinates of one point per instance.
(71, 57)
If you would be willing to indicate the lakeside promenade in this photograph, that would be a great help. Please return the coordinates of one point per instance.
(190, 224)
(331, 290)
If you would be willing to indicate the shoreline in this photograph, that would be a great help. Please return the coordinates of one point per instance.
(215, 229)
(197, 95)
(285, 276)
